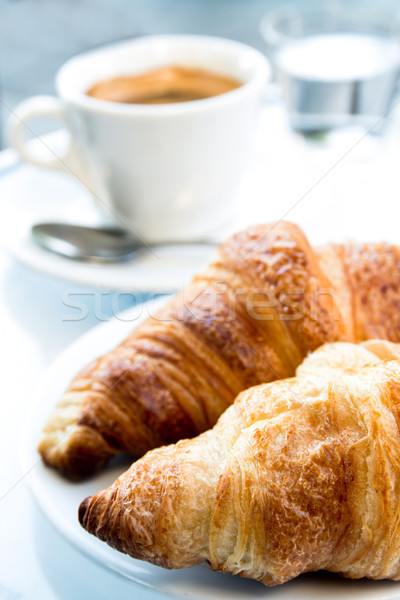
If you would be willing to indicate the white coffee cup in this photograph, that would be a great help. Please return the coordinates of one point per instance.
(165, 171)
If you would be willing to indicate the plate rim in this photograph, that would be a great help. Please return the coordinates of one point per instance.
(26, 433)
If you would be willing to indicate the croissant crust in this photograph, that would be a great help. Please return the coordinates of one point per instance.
(297, 475)
(251, 316)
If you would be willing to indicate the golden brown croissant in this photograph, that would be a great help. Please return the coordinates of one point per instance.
(298, 475)
(251, 316)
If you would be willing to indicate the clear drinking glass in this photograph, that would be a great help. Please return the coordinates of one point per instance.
(337, 61)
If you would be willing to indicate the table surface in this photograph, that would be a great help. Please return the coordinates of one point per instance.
(36, 37)
(35, 560)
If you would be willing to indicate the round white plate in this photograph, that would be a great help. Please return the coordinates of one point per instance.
(59, 500)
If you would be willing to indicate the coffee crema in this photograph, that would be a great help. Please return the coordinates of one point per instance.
(164, 86)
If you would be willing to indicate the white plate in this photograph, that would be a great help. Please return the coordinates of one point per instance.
(59, 500)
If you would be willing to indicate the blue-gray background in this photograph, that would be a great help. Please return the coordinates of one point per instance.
(38, 36)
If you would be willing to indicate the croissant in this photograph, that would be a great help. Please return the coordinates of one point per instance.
(297, 475)
(264, 302)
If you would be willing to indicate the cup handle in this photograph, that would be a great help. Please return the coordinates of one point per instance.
(43, 106)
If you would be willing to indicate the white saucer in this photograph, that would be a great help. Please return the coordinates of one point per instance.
(333, 193)
(29, 195)
(59, 500)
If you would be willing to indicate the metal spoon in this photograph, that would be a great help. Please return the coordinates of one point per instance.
(93, 244)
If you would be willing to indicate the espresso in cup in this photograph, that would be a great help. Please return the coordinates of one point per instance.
(163, 166)
(164, 86)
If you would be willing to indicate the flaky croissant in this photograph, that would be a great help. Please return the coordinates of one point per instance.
(264, 302)
(298, 475)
